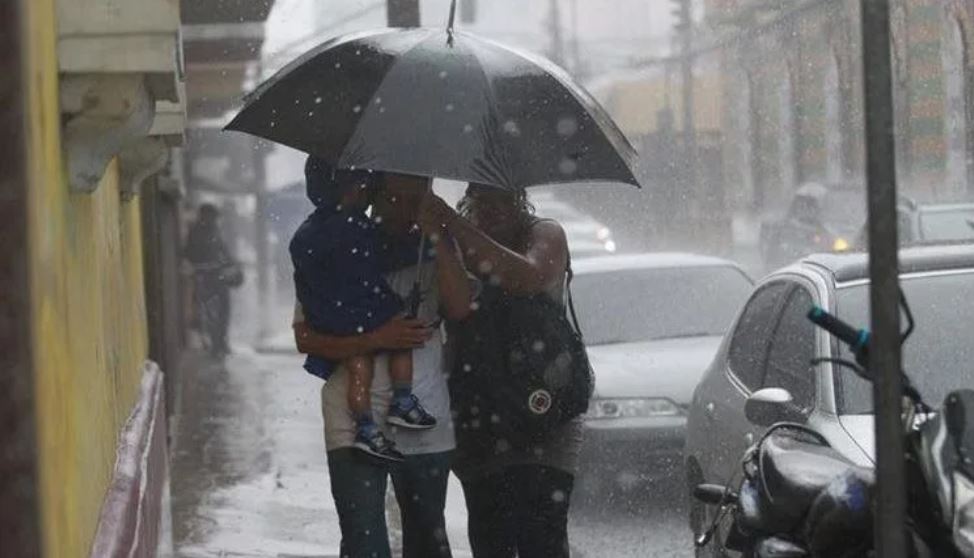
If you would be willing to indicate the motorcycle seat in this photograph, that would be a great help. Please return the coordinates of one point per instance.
(795, 471)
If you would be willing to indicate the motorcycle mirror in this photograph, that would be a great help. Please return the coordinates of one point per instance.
(769, 406)
(713, 494)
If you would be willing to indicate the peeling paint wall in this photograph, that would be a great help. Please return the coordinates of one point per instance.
(88, 312)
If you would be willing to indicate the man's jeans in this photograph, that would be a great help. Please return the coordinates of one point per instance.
(359, 488)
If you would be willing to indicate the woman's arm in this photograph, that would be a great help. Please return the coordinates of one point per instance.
(539, 268)
(399, 333)
(455, 291)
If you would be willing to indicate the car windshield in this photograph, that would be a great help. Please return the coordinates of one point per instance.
(939, 356)
(946, 225)
(642, 304)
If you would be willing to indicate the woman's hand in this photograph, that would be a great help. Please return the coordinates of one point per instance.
(435, 215)
(401, 333)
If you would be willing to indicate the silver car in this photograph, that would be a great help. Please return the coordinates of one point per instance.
(652, 324)
(772, 345)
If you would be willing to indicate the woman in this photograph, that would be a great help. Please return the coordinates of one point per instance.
(517, 498)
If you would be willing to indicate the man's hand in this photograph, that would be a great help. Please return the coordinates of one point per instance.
(401, 333)
(435, 215)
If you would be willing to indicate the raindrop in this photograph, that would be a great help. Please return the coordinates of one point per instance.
(378, 100)
(338, 65)
(495, 419)
(354, 250)
(467, 128)
(318, 100)
(443, 74)
(449, 107)
(311, 113)
(360, 329)
(567, 126)
(558, 496)
(474, 410)
(538, 346)
(338, 303)
(475, 306)
(567, 166)
(357, 109)
(467, 368)
(358, 52)
(382, 110)
(503, 446)
(511, 127)
(273, 123)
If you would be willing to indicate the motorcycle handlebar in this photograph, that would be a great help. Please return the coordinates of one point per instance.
(856, 339)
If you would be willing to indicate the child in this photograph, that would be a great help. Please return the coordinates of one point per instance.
(338, 279)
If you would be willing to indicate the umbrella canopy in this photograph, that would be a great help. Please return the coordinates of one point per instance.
(416, 102)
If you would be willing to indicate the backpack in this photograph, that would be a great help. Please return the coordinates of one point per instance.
(520, 372)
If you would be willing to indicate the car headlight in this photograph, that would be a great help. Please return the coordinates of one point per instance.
(631, 408)
(963, 513)
(840, 245)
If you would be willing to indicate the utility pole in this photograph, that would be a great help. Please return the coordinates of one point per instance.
(402, 13)
(684, 28)
(576, 56)
(557, 44)
(885, 362)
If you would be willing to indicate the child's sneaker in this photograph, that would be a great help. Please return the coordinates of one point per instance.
(409, 413)
(374, 443)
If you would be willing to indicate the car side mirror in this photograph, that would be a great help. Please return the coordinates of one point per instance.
(771, 405)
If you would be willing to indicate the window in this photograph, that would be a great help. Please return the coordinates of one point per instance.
(749, 346)
(792, 350)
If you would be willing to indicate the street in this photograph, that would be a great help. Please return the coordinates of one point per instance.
(250, 479)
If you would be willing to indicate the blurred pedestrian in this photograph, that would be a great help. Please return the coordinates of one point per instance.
(215, 272)
(517, 495)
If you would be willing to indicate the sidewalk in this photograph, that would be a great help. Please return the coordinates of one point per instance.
(249, 475)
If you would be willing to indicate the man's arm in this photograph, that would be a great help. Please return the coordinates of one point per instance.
(456, 292)
(398, 333)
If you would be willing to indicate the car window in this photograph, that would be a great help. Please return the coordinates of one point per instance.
(749, 345)
(792, 350)
(632, 305)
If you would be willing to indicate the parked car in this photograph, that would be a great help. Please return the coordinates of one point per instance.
(773, 345)
(938, 223)
(586, 236)
(652, 324)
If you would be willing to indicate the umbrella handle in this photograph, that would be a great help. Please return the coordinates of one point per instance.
(449, 25)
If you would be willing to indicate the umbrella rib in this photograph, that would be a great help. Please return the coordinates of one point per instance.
(378, 88)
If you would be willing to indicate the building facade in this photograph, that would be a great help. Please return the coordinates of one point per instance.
(792, 82)
(95, 107)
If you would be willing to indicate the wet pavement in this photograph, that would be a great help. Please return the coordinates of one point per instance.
(250, 476)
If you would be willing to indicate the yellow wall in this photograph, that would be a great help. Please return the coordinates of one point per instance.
(89, 325)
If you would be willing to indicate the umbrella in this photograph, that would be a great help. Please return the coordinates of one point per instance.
(439, 103)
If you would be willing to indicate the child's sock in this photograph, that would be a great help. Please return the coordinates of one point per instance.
(402, 394)
(364, 423)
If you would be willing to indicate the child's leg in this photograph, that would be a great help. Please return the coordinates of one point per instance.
(401, 374)
(360, 387)
(406, 411)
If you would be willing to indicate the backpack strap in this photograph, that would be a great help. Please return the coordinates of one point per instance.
(569, 275)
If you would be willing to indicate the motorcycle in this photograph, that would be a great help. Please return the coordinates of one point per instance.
(799, 498)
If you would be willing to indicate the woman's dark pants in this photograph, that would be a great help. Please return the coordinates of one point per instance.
(521, 511)
(358, 486)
